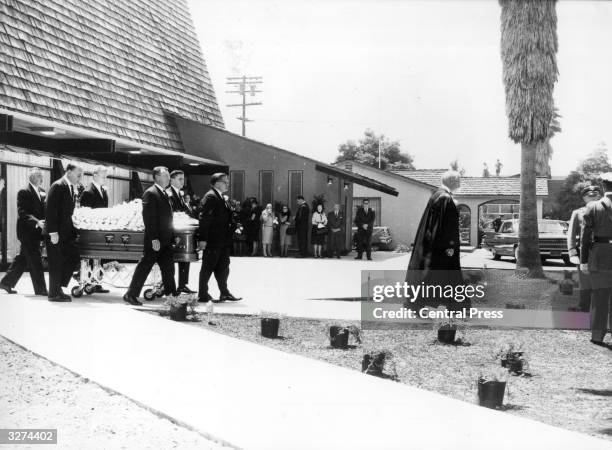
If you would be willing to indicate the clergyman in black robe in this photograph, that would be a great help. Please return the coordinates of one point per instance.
(435, 254)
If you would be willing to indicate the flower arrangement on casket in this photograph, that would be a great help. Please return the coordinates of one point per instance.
(125, 216)
(181, 220)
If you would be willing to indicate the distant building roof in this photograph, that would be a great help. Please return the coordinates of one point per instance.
(477, 186)
(111, 67)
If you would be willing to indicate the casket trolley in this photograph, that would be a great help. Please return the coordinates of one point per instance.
(125, 245)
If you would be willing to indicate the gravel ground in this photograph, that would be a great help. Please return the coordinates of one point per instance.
(570, 381)
(35, 393)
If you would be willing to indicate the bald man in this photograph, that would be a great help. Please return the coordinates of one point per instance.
(435, 256)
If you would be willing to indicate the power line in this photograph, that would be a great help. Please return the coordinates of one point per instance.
(241, 83)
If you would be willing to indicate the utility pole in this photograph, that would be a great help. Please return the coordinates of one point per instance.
(241, 84)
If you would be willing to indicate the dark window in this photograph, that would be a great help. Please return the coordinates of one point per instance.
(237, 185)
(375, 204)
(295, 188)
(266, 187)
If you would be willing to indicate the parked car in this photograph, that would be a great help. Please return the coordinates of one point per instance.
(381, 238)
(552, 239)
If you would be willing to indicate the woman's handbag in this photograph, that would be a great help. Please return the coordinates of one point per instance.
(321, 231)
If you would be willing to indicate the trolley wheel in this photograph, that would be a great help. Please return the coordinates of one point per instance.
(89, 289)
(149, 295)
(159, 293)
(77, 292)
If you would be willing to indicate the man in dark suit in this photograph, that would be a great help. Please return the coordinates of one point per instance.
(158, 238)
(177, 200)
(96, 196)
(335, 222)
(62, 252)
(364, 220)
(302, 225)
(596, 259)
(30, 224)
(215, 238)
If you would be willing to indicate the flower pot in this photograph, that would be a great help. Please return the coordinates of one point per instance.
(373, 364)
(178, 313)
(338, 337)
(446, 334)
(269, 327)
(515, 365)
(491, 393)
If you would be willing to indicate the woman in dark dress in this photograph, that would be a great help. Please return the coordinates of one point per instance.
(253, 226)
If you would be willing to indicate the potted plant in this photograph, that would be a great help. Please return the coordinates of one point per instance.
(339, 335)
(491, 388)
(270, 323)
(179, 305)
(373, 363)
(512, 357)
(447, 329)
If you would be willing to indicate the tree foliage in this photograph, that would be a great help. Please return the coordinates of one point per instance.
(366, 149)
(587, 172)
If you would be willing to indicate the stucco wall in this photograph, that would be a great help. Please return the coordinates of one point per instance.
(402, 213)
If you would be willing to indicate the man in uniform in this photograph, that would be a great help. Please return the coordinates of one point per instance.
(596, 259)
(177, 199)
(589, 194)
(158, 238)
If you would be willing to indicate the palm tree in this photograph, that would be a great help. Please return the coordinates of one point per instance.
(544, 150)
(528, 50)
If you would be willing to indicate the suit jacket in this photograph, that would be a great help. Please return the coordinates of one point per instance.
(302, 217)
(177, 201)
(362, 217)
(217, 223)
(59, 209)
(92, 198)
(574, 230)
(30, 209)
(334, 222)
(157, 216)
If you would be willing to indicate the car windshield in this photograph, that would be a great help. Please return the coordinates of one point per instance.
(543, 227)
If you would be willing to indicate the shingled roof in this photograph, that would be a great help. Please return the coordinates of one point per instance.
(477, 186)
(111, 67)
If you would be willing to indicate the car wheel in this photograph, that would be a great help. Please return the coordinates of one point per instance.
(496, 256)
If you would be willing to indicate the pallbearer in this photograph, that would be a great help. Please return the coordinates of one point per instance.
(596, 259)
(158, 238)
(96, 196)
(177, 199)
(30, 224)
(62, 251)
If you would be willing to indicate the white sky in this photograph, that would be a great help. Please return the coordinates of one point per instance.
(427, 73)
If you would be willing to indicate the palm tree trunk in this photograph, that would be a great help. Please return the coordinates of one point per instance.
(528, 263)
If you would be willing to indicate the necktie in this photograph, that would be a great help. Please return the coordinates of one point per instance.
(72, 192)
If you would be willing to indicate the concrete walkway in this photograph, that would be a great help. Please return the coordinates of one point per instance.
(255, 397)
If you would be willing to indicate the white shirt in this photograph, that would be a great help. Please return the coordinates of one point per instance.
(98, 187)
(160, 188)
(176, 191)
(36, 190)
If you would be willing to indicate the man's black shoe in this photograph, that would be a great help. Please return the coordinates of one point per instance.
(100, 289)
(185, 290)
(8, 289)
(369, 259)
(229, 297)
(358, 257)
(67, 297)
(600, 343)
(60, 298)
(131, 300)
(205, 299)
